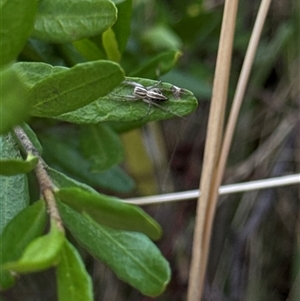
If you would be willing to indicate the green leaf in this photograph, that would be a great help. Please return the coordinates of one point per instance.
(27, 225)
(88, 50)
(132, 256)
(13, 190)
(70, 54)
(118, 1)
(13, 166)
(73, 281)
(114, 179)
(122, 27)
(110, 211)
(40, 254)
(34, 72)
(61, 21)
(63, 181)
(19, 232)
(14, 104)
(116, 107)
(17, 18)
(161, 37)
(110, 45)
(7, 280)
(79, 168)
(123, 127)
(101, 145)
(73, 88)
(158, 65)
(203, 28)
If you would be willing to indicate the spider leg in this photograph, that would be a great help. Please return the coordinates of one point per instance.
(134, 84)
(151, 87)
(149, 107)
(150, 102)
(126, 97)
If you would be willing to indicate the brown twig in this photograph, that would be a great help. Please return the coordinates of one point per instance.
(45, 183)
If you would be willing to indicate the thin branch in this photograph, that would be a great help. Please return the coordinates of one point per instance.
(223, 190)
(45, 183)
(214, 162)
(206, 205)
(241, 87)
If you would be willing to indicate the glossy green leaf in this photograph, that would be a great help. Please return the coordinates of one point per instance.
(13, 166)
(161, 37)
(63, 181)
(88, 50)
(73, 88)
(20, 231)
(110, 45)
(14, 189)
(101, 145)
(73, 281)
(118, 1)
(132, 256)
(34, 72)
(122, 27)
(17, 18)
(114, 179)
(116, 107)
(158, 65)
(110, 211)
(203, 28)
(40, 254)
(7, 280)
(61, 21)
(14, 103)
(123, 127)
(70, 54)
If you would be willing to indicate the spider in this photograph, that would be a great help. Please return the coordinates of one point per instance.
(176, 91)
(150, 95)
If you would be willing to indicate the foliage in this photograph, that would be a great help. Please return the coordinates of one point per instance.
(62, 67)
(62, 60)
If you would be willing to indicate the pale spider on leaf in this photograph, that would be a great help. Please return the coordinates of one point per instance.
(152, 95)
